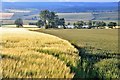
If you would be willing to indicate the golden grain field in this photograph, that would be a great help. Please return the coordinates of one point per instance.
(27, 54)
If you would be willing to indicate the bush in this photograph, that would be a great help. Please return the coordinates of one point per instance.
(19, 22)
(40, 23)
(112, 24)
(108, 68)
(32, 23)
(46, 26)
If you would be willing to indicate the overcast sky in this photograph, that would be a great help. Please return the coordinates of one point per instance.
(60, 0)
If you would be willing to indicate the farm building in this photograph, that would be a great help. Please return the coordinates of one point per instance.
(86, 26)
(60, 26)
(116, 27)
(69, 26)
(106, 27)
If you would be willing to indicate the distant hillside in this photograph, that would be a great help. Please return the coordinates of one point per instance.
(61, 7)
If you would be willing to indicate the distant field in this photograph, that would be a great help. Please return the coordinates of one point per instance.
(105, 39)
(26, 22)
(76, 16)
(85, 16)
(70, 17)
(6, 15)
(102, 16)
(24, 26)
(89, 16)
(106, 16)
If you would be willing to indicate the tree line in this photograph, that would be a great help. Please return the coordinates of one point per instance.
(49, 19)
(93, 24)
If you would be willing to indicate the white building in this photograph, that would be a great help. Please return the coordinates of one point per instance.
(67, 26)
(70, 26)
(85, 26)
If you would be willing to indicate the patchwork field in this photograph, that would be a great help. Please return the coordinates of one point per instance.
(69, 17)
(72, 17)
(76, 16)
(6, 15)
(27, 54)
(106, 16)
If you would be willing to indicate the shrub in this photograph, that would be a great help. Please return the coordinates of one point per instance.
(19, 22)
(108, 68)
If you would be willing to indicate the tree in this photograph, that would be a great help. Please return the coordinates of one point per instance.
(1, 23)
(51, 20)
(44, 15)
(100, 24)
(74, 24)
(103, 24)
(62, 22)
(79, 24)
(40, 23)
(48, 18)
(19, 22)
(56, 21)
(52, 16)
(90, 23)
(31, 23)
(68, 23)
(112, 24)
(94, 23)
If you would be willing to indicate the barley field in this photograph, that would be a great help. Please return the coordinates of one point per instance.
(27, 54)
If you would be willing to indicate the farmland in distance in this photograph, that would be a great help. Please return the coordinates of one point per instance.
(69, 17)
